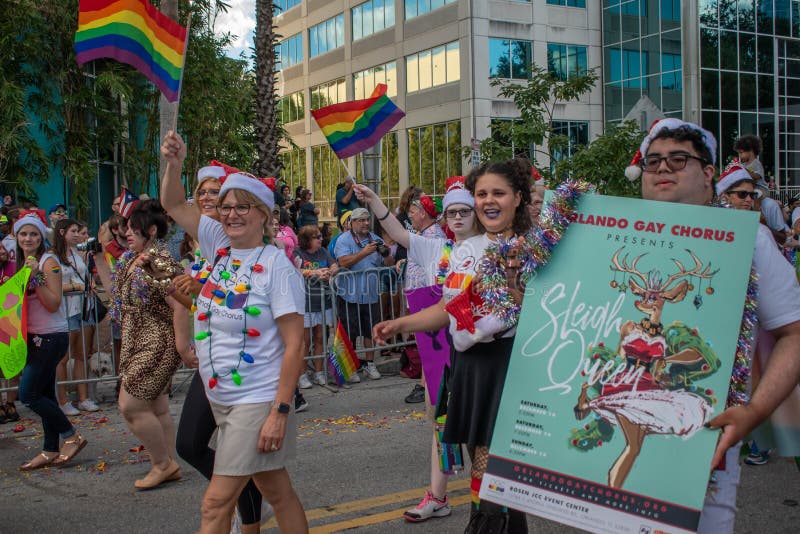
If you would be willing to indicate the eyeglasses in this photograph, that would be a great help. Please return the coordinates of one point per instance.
(741, 195)
(240, 209)
(318, 236)
(675, 161)
(463, 213)
(207, 192)
(59, 212)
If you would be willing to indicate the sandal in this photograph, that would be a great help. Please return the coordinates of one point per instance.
(11, 412)
(39, 461)
(72, 446)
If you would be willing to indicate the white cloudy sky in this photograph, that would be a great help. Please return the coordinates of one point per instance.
(240, 21)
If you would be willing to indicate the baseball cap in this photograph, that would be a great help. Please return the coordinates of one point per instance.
(56, 207)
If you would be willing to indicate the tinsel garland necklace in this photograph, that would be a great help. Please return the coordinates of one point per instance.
(533, 251)
(139, 287)
(227, 278)
(444, 262)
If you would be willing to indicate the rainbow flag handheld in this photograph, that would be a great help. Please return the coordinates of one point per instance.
(352, 127)
(342, 360)
(136, 33)
(13, 324)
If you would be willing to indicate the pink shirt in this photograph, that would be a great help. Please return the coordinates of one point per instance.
(287, 236)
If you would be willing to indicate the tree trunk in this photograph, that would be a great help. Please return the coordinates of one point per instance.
(166, 110)
(268, 133)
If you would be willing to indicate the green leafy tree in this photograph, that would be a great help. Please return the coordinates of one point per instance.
(536, 99)
(603, 161)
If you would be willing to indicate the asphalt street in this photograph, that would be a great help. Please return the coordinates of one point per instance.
(363, 458)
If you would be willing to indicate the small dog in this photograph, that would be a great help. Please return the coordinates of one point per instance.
(100, 364)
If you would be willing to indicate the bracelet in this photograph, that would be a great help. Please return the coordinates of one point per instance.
(388, 212)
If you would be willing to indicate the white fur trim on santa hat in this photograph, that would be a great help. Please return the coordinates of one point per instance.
(457, 193)
(734, 172)
(210, 171)
(674, 124)
(33, 220)
(250, 183)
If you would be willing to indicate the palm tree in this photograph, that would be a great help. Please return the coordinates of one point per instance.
(268, 132)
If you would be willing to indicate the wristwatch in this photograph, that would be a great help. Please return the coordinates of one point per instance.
(283, 408)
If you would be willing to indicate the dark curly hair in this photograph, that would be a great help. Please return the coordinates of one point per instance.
(147, 213)
(748, 142)
(517, 172)
(685, 133)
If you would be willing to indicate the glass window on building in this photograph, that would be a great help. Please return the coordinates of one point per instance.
(577, 132)
(567, 3)
(372, 17)
(509, 58)
(294, 167)
(415, 8)
(327, 173)
(284, 5)
(390, 170)
(507, 141)
(566, 61)
(434, 154)
(291, 108)
(364, 81)
(434, 67)
(289, 51)
(326, 36)
(328, 93)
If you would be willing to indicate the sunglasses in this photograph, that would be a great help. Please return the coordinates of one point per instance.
(741, 195)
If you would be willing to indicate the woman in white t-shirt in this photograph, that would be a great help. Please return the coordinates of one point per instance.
(74, 274)
(502, 195)
(432, 256)
(47, 342)
(249, 340)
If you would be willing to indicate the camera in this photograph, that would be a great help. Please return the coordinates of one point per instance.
(382, 249)
(92, 245)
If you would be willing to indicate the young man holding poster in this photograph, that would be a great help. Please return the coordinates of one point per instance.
(678, 162)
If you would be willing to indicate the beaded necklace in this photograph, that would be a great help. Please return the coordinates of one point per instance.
(226, 278)
(444, 262)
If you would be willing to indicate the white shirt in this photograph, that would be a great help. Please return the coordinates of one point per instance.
(795, 215)
(74, 272)
(276, 291)
(778, 290)
(10, 245)
(419, 274)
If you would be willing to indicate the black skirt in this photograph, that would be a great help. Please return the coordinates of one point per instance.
(476, 382)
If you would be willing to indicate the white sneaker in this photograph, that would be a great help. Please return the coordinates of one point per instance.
(304, 383)
(428, 507)
(354, 378)
(372, 371)
(88, 405)
(319, 378)
(69, 409)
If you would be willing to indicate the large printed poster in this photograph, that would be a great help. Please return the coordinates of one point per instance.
(624, 350)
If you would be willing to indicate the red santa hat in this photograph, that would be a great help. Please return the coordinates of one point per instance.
(536, 177)
(457, 193)
(210, 172)
(426, 203)
(734, 172)
(34, 218)
(634, 170)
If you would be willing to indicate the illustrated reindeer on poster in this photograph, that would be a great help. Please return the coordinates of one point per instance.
(655, 394)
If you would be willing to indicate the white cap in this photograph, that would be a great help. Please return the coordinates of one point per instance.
(634, 171)
(457, 193)
(210, 171)
(251, 184)
(31, 219)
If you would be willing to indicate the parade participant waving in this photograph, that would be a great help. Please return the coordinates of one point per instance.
(249, 334)
(502, 194)
(48, 339)
(433, 256)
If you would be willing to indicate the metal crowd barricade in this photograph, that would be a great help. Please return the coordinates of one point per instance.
(388, 303)
(99, 358)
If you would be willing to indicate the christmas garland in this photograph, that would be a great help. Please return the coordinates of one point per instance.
(139, 288)
(444, 262)
(533, 251)
(740, 378)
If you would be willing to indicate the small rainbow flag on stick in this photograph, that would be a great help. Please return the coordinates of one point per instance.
(342, 360)
(136, 33)
(352, 127)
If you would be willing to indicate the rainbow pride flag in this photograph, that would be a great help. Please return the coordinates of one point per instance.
(136, 33)
(342, 360)
(352, 127)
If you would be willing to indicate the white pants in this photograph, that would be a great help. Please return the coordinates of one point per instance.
(719, 509)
